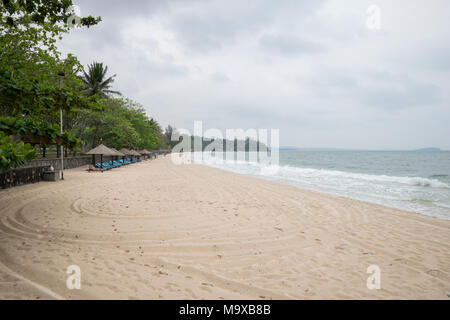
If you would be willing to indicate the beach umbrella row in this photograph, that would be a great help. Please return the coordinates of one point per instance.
(126, 152)
(118, 153)
(103, 150)
(145, 152)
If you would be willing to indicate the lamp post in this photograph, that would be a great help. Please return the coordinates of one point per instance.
(61, 77)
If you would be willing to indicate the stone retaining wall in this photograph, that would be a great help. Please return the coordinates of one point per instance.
(69, 163)
(22, 176)
(33, 171)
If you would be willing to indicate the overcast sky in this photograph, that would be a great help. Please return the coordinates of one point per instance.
(310, 68)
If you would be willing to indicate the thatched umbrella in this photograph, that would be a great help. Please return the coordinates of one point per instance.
(118, 153)
(126, 152)
(135, 153)
(102, 151)
(149, 154)
(144, 152)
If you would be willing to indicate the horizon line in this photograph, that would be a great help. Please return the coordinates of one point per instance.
(436, 149)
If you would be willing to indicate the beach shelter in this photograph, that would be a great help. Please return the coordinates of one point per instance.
(149, 154)
(118, 154)
(125, 152)
(144, 152)
(101, 150)
(135, 153)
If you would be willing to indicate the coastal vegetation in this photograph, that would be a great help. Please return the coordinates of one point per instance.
(37, 82)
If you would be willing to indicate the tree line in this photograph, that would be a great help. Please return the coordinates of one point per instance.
(36, 82)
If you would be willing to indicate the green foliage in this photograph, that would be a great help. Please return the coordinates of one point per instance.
(31, 91)
(96, 82)
(168, 137)
(14, 154)
(16, 13)
(30, 61)
(32, 130)
(36, 82)
(36, 131)
(27, 87)
(67, 140)
(149, 131)
(119, 123)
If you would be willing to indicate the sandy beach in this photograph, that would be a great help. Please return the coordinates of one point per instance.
(155, 230)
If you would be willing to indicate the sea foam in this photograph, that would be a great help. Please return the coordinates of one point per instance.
(322, 173)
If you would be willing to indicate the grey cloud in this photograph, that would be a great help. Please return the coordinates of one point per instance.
(211, 24)
(116, 14)
(434, 56)
(220, 77)
(290, 45)
(373, 88)
(117, 10)
(310, 68)
(404, 96)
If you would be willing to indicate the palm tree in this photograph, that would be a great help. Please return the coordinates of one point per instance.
(95, 81)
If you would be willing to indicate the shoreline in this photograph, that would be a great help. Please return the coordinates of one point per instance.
(330, 193)
(158, 231)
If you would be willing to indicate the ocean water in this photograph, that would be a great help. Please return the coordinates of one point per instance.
(417, 181)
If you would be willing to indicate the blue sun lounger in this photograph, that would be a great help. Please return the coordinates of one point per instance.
(106, 166)
(116, 163)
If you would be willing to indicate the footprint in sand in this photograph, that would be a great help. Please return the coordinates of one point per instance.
(207, 284)
(434, 273)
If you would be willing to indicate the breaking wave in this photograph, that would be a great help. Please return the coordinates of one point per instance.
(322, 173)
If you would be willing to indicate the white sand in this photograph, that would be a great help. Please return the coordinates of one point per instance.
(158, 231)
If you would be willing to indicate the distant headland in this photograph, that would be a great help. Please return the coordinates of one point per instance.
(429, 150)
